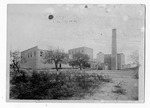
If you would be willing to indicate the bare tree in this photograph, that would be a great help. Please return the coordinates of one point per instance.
(15, 60)
(134, 57)
(55, 56)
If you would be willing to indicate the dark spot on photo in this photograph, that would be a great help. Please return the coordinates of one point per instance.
(50, 17)
(86, 6)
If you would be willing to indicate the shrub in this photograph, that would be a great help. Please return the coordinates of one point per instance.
(119, 90)
(53, 85)
(136, 72)
(100, 68)
(135, 98)
(20, 77)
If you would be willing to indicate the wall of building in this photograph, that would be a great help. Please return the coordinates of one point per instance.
(84, 50)
(33, 58)
(120, 61)
(29, 58)
(107, 60)
(93, 65)
(100, 57)
(89, 52)
(40, 60)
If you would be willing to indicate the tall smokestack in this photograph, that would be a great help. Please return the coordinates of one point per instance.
(114, 51)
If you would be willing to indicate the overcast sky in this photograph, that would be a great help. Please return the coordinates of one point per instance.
(76, 26)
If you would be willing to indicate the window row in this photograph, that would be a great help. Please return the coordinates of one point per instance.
(76, 51)
(31, 54)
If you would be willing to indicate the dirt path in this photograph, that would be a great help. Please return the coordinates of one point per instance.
(122, 87)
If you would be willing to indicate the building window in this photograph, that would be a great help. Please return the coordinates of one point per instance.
(41, 53)
(34, 53)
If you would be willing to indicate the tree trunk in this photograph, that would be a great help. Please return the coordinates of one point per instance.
(80, 67)
(60, 65)
(56, 66)
(18, 69)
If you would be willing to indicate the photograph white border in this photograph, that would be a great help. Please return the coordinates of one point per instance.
(3, 11)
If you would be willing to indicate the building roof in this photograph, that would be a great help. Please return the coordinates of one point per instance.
(81, 48)
(29, 49)
(120, 53)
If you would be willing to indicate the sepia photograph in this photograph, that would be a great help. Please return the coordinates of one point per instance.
(76, 52)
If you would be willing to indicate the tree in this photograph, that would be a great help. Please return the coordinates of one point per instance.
(81, 60)
(134, 57)
(72, 63)
(55, 56)
(15, 60)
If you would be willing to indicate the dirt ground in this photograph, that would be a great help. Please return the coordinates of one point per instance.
(122, 87)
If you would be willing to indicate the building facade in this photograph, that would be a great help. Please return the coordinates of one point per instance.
(120, 61)
(29, 58)
(107, 60)
(83, 50)
(104, 61)
(33, 59)
(100, 57)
